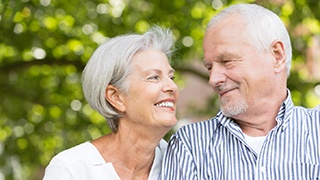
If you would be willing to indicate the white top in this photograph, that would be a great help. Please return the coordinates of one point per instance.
(255, 142)
(84, 162)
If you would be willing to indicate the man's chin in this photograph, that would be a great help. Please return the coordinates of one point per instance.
(235, 110)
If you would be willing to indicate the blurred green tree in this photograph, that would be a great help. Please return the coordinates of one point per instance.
(44, 45)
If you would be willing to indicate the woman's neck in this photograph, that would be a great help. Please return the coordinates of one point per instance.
(131, 156)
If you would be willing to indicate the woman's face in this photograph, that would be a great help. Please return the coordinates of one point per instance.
(152, 95)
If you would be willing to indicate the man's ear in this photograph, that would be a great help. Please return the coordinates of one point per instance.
(279, 63)
(113, 96)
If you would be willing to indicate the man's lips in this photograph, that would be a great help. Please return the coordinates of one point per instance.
(222, 92)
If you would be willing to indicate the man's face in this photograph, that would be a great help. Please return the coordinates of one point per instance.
(239, 73)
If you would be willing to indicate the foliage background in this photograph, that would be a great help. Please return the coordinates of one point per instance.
(44, 45)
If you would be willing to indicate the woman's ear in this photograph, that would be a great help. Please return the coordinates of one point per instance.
(113, 96)
(279, 63)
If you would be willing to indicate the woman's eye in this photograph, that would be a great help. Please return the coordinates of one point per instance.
(172, 78)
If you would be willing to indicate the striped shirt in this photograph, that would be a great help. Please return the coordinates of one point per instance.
(216, 149)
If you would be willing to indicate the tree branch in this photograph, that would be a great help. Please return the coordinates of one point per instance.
(22, 65)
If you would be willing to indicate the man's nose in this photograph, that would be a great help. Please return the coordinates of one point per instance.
(217, 76)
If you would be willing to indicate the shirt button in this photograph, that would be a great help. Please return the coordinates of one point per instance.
(263, 169)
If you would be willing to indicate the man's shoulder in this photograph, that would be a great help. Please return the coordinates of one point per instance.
(317, 107)
(198, 129)
(196, 137)
(306, 111)
(308, 115)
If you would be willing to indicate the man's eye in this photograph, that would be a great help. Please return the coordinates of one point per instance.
(208, 67)
(228, 62)
(154, 77)
(172, 78)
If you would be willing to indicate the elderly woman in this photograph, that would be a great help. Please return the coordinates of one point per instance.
(129, 81)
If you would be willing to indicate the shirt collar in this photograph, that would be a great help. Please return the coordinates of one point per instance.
(285, 111)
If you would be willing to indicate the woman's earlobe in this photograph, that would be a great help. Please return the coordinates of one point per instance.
(113, 96)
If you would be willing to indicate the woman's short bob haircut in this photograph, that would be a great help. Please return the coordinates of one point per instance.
(110, 64)
(262, 27)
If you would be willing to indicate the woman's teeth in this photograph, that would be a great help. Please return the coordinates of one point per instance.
(165, 104)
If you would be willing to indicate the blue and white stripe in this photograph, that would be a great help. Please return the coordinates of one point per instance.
(216, 149)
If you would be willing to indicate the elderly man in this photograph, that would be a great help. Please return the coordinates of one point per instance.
(259, 133)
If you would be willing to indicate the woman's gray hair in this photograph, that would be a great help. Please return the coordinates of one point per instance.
(262, 27)
(110, 64)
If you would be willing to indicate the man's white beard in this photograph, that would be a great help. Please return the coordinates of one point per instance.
(232, 109)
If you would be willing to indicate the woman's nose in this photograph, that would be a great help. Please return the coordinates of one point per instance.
(170, 85)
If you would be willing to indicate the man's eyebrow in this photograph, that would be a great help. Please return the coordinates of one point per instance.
(222, 56)
(227, 55)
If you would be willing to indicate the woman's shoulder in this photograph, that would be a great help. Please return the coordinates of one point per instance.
(79, 162)
(82, 152)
